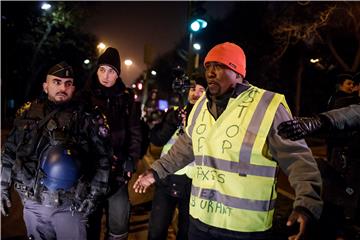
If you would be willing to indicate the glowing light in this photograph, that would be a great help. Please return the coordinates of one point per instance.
(153, 72)
(314, 60)
(140, 86)
(128, 62)
(195, 26)
(198, 24)
(101, 46)
(86, 61)
(45, 6)
(197, 46)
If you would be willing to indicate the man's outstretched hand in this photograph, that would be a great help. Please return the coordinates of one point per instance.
(144, 181)
(303, 221)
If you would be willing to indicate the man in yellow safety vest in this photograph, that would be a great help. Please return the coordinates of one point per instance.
(232, 136)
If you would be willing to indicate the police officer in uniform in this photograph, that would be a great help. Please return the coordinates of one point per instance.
(47, 157)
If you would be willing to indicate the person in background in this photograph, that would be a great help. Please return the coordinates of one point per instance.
(107, 92)
(232, 136)
(47, 157)
(343, 96)
(174, 190)
(340, 175)
(342, 188)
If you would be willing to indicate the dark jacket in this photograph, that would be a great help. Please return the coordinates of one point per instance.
(163, 131)
(71, 125)
(123, 115)
(342, 146)
(346, 118)
(342, 99)
(175, 185)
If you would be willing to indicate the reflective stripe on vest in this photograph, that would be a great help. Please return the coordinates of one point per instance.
(213, 195)
(234, 183)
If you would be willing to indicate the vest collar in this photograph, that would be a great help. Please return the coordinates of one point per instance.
(222, 101)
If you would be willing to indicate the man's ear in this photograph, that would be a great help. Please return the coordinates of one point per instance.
(45, 87)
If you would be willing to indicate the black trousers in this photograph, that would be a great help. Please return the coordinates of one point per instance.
(117, 211)
(162, 211)
(201, 231)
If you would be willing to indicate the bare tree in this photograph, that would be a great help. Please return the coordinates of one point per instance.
(318, 25)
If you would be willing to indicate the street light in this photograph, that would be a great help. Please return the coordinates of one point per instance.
(198, 24)
(128, 62)
(197, 46)
(195, 26)
(140, 86)
(45, 6)
(314, 60)
(101, 46)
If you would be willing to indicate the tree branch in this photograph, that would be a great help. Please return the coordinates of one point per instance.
(336, 55)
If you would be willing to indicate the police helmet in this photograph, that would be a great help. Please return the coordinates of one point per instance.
(60, 169)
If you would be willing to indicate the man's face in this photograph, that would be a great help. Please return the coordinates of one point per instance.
(195, 93)
(347, 86)
(107, 76)
(59, 90)
(220, 78)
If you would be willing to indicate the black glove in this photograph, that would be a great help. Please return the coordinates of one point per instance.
(5, 201)
(129, 165)
(89, 205)
(299, 128)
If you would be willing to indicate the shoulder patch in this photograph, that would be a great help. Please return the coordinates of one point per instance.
(103, 125)
(24, 108)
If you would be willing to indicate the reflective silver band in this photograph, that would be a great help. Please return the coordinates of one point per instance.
(233, 202)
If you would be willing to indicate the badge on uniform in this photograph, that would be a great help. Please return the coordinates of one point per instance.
(51, 125)
(103, 131)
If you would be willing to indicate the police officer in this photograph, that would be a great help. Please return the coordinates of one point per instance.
(46, 156)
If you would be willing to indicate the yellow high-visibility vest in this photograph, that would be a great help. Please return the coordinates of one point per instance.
(168, 145)
(234, 184)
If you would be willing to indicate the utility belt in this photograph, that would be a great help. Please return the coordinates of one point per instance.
(53, 198)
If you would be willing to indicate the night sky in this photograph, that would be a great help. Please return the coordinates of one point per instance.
(128, 26)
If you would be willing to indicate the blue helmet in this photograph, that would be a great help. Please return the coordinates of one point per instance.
(61, 171)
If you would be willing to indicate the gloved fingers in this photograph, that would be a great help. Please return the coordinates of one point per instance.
(3, 210)
(287, 127)
(297, 134)
(5, 204)
(83, 206)
(89, 210)
(8, 203)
